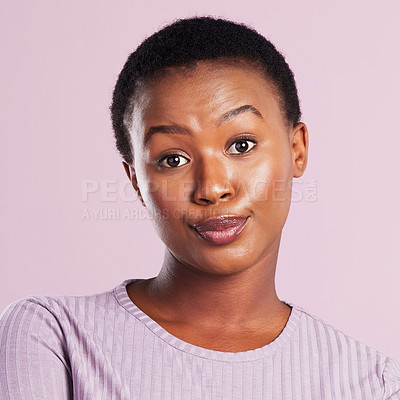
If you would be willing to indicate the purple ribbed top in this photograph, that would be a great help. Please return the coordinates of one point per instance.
(104, 347)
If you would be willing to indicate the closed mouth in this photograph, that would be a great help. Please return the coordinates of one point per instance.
(221, 230)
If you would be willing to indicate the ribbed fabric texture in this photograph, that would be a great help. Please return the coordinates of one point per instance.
(104, 347)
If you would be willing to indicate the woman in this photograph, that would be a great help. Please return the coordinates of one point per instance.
(207, 119)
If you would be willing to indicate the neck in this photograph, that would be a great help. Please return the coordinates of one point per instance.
(247, 298)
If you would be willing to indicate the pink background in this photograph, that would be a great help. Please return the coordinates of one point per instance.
(340, 254)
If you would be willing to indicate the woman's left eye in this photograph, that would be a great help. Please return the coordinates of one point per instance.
(241, 146)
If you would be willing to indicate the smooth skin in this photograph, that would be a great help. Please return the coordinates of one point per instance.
(210, 141)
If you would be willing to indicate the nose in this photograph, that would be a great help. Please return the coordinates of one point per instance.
(212, 183)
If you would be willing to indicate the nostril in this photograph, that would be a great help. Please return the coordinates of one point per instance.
(205, 201)
(208, 192)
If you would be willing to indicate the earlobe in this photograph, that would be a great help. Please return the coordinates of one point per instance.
(127, 169)
(130, 172)
(299, 149)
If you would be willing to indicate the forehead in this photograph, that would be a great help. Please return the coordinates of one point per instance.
(200, 94)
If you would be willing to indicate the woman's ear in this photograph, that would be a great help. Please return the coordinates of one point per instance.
(299, 142)
(130, 171)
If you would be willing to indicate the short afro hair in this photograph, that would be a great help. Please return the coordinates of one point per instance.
(185, 42)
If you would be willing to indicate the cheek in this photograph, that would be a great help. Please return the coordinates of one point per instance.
(167, 194)
(162, 211)
(269, 180)
(270, 197)
(163, 190)
(165, 203)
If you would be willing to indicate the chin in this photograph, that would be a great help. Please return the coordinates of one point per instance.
(223, 265)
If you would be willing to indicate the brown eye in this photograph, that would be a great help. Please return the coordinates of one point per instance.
(173, 161)
(241, 146)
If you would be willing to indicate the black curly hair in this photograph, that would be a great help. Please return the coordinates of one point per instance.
(185, 42)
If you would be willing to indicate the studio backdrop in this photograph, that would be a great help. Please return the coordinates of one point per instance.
(70, 222)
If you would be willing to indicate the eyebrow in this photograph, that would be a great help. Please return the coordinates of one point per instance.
(176, 129)
(165, 129)
(237, 111)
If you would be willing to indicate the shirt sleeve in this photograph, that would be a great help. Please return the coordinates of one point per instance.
(391, 380)
(33, 358)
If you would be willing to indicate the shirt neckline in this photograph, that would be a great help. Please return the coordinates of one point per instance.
(124, 300)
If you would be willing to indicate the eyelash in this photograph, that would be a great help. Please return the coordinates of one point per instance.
(166, 156)
(247, 138)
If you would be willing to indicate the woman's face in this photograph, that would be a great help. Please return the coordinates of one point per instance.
(213, 142)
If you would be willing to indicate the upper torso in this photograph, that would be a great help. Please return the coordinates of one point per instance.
(104, 347)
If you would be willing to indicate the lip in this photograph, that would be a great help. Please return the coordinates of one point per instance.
(221, 230)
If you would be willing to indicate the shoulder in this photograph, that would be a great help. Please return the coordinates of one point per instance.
(342, 355)
(327, 336)
(55, 311)
(391, 379)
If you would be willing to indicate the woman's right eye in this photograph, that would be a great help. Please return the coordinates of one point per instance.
(173, 161)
